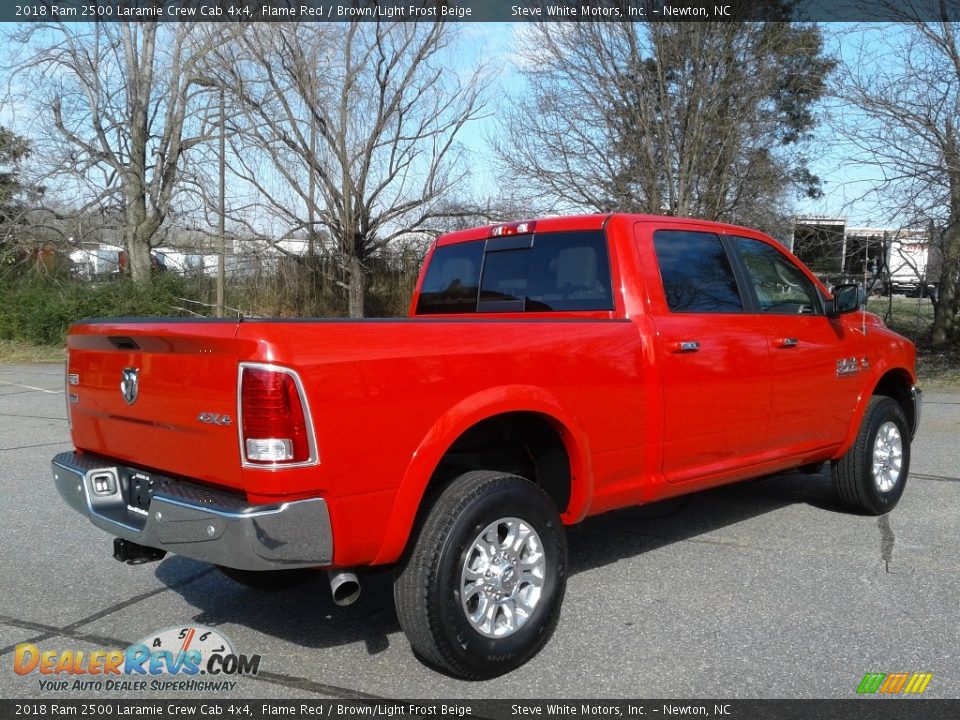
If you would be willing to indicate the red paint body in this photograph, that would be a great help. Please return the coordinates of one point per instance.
(640, 422)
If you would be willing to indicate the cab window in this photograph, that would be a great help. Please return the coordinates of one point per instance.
(452, 280)
(547, 272)
(778, 285)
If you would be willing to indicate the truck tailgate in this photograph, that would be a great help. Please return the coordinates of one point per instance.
(158, 394)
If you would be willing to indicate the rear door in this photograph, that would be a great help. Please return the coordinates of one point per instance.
(713, 353)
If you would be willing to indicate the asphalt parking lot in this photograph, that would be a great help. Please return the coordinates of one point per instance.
(759, 590)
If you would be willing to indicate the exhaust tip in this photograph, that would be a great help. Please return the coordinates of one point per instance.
(345, 588)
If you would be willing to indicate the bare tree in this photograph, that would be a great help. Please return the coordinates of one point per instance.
(118, 98)
(16, 196)
(357, 126)
(906, 122)
(685, 118)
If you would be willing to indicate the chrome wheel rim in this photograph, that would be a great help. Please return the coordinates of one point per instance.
(887, 457)
(502, 578)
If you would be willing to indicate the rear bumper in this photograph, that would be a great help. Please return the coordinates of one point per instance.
(194, 520)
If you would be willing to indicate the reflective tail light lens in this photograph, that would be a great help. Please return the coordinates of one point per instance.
(66, 391)
(273, 420)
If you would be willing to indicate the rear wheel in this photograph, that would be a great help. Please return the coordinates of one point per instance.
(479, 592)
(871, 477)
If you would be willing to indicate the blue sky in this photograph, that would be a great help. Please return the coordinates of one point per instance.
(848, 176)
(496, 45)
(845, 179)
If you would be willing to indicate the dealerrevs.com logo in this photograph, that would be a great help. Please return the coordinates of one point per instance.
(190, 658)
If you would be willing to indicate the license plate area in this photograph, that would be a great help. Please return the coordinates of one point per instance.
(141, 487)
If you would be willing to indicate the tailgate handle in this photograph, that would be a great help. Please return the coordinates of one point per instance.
(123, 343)
(684, 346)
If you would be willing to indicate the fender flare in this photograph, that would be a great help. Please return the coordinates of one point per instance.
(877, 373)
(460, 418)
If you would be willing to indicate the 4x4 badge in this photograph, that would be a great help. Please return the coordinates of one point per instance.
(130, 385)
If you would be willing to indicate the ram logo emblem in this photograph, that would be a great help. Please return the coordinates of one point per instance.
(130, 385)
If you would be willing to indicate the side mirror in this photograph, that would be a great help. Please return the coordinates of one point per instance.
(846, 299)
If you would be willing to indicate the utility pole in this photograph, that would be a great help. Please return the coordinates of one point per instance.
(221, 263)
(312, 185)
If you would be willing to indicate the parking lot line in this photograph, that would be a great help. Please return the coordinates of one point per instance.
(32, 387)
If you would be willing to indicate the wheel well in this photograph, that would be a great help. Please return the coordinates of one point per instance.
(896, 384)
(521, 443)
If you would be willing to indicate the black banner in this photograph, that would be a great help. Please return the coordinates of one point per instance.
(475, 10)
(218, 709)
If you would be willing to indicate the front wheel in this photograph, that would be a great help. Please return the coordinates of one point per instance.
(479, 592)
(871, 477)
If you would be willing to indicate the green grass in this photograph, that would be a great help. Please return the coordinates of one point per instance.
(17, 351)
(940, 370)
(911, 317)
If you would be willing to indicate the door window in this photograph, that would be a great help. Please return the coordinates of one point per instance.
(696, 273)
(778, 284)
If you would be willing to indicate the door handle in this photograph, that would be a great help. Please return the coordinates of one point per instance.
(786, 342)
(684, 346)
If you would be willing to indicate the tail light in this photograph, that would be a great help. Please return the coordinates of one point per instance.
(274, 418)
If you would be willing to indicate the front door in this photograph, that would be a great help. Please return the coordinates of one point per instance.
(814, 360)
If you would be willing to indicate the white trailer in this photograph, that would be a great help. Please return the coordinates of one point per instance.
(913, 269)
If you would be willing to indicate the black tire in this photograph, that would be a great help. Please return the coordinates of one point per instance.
(853, 475)
(268, 580)
(427, 589)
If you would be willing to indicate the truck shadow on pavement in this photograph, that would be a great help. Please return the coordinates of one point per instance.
(306, 616)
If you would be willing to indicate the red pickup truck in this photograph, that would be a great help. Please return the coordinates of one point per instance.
(549, 370)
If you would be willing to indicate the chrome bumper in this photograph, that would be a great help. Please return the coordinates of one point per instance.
(916, 394)
(194, 520)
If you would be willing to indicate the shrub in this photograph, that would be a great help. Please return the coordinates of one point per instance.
(39, 309)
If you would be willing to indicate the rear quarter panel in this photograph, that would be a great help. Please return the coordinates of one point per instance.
(389, 397)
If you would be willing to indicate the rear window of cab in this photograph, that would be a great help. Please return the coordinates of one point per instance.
(547, 272)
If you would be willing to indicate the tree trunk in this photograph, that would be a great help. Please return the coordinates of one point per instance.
(944, 310)
(356, 287)
(138, 257)
(944, 318)
(137, 234)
